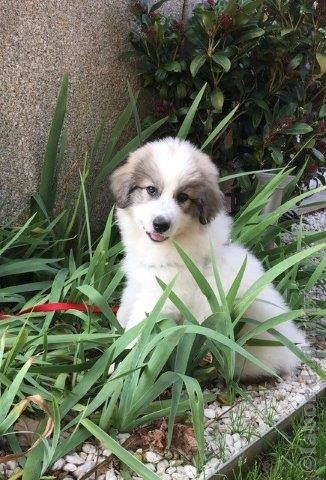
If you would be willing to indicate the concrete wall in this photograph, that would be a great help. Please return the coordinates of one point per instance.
(39, 40)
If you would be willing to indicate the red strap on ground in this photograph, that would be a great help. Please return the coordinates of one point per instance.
(59, 306)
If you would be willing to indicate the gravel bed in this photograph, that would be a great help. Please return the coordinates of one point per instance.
(315, 221)
(227, 429)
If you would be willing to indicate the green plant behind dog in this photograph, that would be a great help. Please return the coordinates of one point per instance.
(264, 55)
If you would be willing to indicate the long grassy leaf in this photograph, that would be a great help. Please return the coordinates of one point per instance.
(48, 173)
(201, 281)
(218, 129)
(118, 157)
(270, 275)
(127, 458)
(187, 122)
(8, 396)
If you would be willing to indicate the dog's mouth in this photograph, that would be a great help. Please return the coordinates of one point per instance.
(156, 237)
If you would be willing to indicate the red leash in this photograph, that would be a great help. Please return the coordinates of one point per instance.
(60, 306)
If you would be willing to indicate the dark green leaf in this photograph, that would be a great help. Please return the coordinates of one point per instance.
(197, 63)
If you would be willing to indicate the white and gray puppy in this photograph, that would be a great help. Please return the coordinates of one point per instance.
(168, 191)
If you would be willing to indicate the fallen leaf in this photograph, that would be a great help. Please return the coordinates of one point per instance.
(17, 411)
(151, 436)
(184, 439)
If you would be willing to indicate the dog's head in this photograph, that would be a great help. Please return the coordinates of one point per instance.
(166, 186)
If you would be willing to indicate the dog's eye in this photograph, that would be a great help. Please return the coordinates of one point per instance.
(152, 191)
(182, 197)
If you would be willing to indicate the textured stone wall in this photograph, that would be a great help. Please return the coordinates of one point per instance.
(39, 40)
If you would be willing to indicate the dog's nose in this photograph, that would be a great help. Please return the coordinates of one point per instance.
(161, 224)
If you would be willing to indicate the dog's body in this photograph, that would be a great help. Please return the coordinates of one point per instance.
(168, 191)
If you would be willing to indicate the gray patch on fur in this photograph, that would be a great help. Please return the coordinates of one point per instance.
(205, 197)
(128, 183)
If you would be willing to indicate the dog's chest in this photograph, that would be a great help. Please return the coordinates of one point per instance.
(145, 276)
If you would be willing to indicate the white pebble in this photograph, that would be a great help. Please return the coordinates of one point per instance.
(70, 467)
(236, 437)
(228, 440)
(171, 470)
(67, 478)
(175, 463)
(12, 464)
(165, 476)
(88, 448)
(91, 457)
(162, 466)
(237, 445)
(101, 477)
(82, 469)
(75, 459)
(227, 421)
(213, 462)
(152, 457)
(58, 464)
(107, 452)
(83, 455)
(209, 413)
(181, 469)
(190, 471)
(150, 466)
(110, 475)
(179, 476)
(122, 437)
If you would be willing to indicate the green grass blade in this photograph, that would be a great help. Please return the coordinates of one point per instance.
(270, 275)
(187, 122)
(136, 114)
(186, 313)
(218, 129)
(97, 299)
(48, 173)
(118, 129)
(109, 164)
(314, 278)
(17, 267)
(127, 458)
(180, 366)
(16, 348)
(295, 350)
(244, 174)
(9, 395)
(201, 281)
(17, 235)
(196, 400)
(96, 144)
(70, 443)
(233, 291)
(270, 323)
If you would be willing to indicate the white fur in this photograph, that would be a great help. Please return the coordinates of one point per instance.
(146, 259)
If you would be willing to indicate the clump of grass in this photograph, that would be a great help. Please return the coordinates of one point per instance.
(65, 358)
(298, 456)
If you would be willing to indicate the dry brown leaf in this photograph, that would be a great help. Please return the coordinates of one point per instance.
(20, 407)
(25, 428)
(150, 436)
(184, 439)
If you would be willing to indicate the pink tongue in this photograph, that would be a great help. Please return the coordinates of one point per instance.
(158, 237)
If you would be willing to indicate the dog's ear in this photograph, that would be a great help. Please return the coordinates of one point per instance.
(211, 201)
(121, 184)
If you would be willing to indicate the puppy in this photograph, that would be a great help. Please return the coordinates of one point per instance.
(167, 192)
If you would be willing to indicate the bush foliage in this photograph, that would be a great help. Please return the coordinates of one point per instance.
(263, 55)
